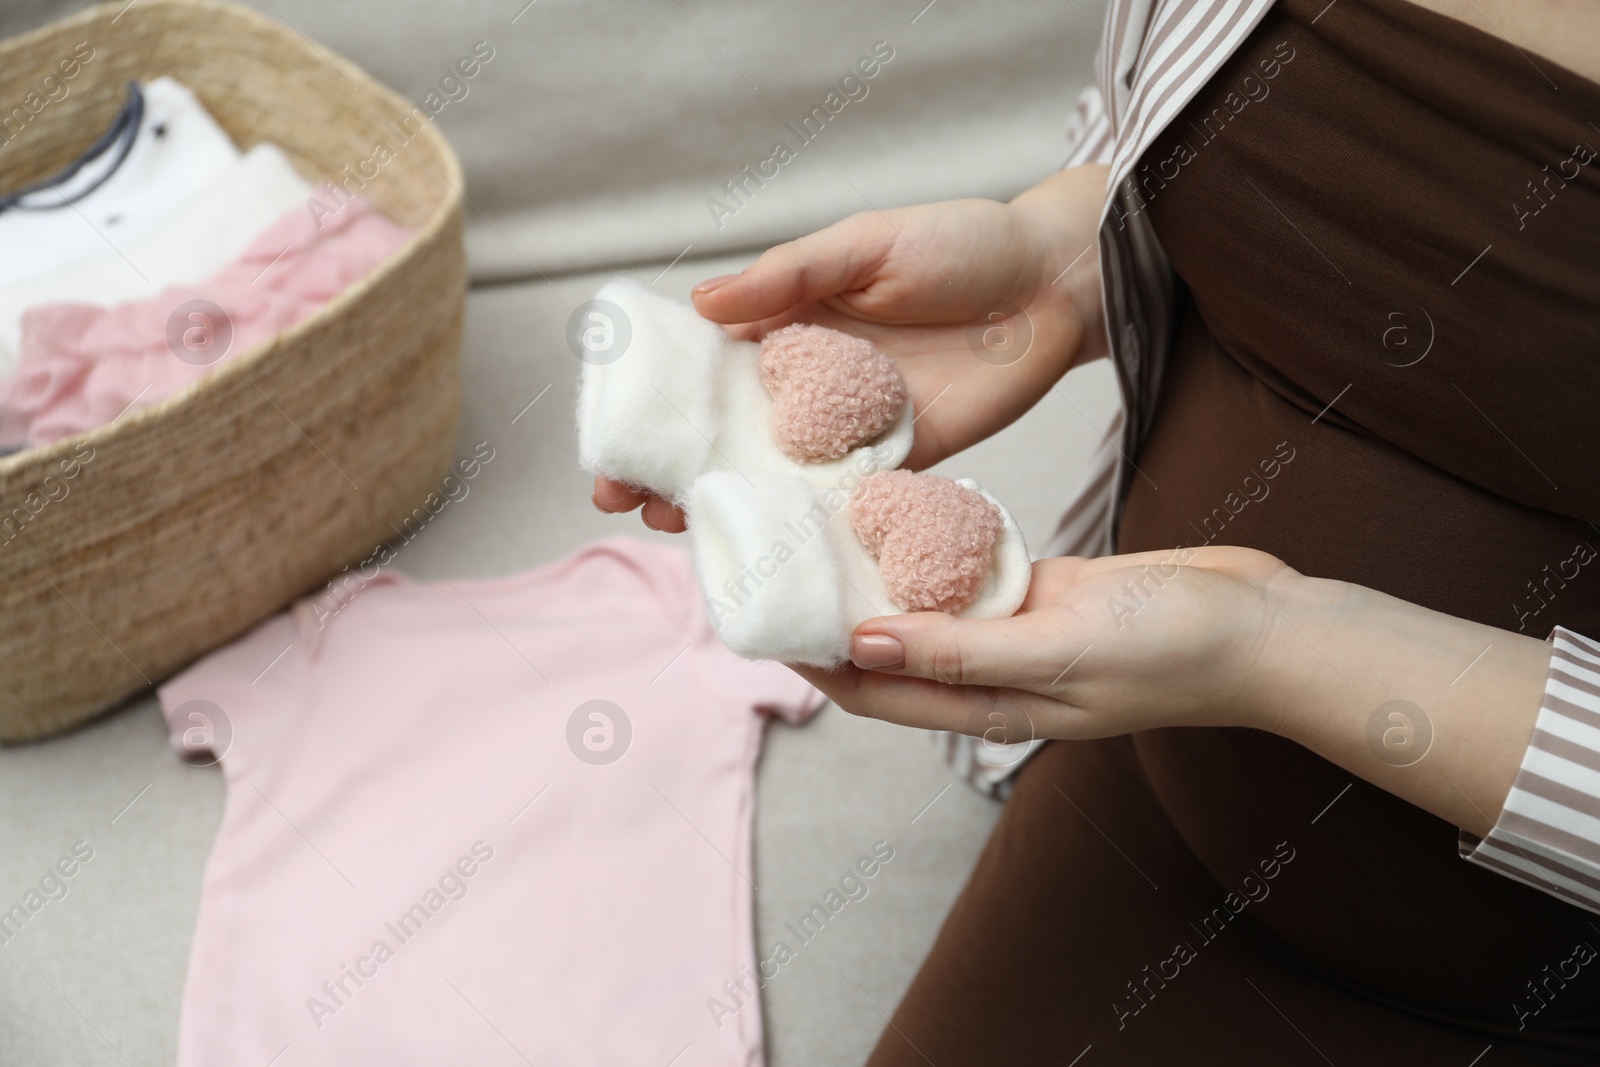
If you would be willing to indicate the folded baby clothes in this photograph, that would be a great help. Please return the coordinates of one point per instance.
(481, 822)
(196, 241)
(124, 188)
(81, 366)
(784, 455)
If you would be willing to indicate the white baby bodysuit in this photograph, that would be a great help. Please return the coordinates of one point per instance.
(178, 151)
(195, 243)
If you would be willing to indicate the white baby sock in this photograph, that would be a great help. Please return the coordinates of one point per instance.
(670, 403)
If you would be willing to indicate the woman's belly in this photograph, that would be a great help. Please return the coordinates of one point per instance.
(1379, 894)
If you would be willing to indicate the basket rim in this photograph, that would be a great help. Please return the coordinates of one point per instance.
(249, 20)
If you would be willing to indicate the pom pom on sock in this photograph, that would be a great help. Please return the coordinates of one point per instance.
(934, 539)
(831, 392)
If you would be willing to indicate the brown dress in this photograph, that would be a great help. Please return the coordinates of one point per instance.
(1388, 373)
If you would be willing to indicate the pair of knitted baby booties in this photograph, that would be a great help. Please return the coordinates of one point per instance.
(784, 455)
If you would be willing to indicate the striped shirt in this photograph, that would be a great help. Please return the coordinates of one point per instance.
(1155, 55)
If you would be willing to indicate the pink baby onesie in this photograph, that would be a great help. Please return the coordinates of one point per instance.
(481, 822)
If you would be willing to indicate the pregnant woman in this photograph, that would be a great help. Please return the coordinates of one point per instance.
(1312, 676)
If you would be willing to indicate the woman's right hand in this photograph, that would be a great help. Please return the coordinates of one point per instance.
(983, 306)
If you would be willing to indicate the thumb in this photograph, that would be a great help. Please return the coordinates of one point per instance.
(942, 648)
(841, 257)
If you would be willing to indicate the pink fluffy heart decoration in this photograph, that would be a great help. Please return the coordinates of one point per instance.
(831, 392)
(934, 539)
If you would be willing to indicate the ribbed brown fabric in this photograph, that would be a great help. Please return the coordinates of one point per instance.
(1388, 374)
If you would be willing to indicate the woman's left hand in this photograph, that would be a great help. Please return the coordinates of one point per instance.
(1219, 636)
(1100, 647)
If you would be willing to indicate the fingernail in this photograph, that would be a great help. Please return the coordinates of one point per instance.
(714, 283)
(877, 652)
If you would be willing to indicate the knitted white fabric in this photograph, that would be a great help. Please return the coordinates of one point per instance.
(670, 396)
(766, 571)
(679, 408)
(647, 401)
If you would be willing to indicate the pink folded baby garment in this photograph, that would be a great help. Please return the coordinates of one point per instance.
(81, 366)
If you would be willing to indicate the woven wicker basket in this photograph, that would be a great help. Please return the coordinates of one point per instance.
(182, 524)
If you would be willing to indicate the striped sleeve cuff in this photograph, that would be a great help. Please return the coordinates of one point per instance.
(1548, 834)
(1089, 135)
(989, 767)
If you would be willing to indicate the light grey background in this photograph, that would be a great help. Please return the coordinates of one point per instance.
(591, 142)
(598, 131)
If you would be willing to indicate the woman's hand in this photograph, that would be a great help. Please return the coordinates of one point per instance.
(1432, 708)
(1099, 647)
(983, 305)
